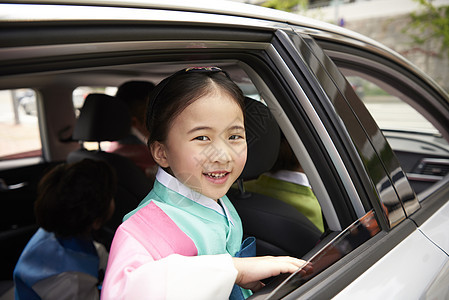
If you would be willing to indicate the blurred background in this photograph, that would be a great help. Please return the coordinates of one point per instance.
(417, 29)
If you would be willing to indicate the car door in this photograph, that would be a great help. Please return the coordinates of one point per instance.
(371, 176)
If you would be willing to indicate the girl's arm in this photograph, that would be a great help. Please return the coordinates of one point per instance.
(253, 269)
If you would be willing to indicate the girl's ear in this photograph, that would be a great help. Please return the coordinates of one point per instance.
(159, 153)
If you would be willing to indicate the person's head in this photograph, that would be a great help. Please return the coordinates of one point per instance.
(135, 94)
(286, 159)
(196, 122)
(74, 199)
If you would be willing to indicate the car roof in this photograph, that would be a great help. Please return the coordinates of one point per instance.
(220, 7)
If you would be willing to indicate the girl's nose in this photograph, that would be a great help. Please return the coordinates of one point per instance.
(222, 154)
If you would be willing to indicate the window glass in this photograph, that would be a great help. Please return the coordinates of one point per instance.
(420, 148)
(339, 246)
(385, 108)
(19, 125)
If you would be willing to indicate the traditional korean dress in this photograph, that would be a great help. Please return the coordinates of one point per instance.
(59, 268)
(177, 244)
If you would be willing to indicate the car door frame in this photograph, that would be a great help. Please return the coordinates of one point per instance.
(301, 55)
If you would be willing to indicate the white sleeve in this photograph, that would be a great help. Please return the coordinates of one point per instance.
(182, 277)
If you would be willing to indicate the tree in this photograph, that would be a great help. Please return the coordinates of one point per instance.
(287, 5)
(431, 23)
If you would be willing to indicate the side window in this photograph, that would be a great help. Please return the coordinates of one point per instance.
(19, 125)
(419, 146)
(384, 108)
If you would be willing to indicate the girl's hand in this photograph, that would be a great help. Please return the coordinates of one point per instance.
(253, 269)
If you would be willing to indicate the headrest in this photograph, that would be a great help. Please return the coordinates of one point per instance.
(263, 138)
(102, 118)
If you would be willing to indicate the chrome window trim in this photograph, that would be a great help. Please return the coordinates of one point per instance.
(321, 130)
(423, 177)
(157, 14)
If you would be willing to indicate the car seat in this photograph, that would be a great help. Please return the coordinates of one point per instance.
(104, 118)
(279, 228)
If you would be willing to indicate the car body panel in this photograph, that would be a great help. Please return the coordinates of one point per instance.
(435, 228)
(420, 254)
(404, 273)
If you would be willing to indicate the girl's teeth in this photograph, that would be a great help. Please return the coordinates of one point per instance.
(215, 175)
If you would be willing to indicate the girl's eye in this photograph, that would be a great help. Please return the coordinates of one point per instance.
(201, 138)
(235, 137)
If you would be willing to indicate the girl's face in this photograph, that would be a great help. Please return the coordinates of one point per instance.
(206, 148)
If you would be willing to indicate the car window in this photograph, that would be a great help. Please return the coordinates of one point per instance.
(385, 108)
(19, 125)
(419, 146)
(339, 246)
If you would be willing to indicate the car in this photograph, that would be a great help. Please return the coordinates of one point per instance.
(377, 158)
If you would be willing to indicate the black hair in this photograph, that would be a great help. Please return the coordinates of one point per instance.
(135, 94)
(71, 197)
(173, 94)
(286, 159)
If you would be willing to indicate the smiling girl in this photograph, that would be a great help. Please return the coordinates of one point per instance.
(184, 241)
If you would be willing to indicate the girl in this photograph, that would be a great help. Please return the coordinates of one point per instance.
(181, 241)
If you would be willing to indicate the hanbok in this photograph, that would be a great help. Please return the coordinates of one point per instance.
(177, 244)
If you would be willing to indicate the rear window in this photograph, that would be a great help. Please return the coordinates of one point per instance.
(19, 126)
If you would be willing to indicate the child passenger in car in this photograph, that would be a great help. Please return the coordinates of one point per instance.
(287, 182)
(135, 95)
(61, 260)
(184, 240)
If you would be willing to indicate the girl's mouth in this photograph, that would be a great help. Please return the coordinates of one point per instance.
(216, 177)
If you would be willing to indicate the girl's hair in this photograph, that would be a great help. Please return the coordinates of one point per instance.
(71, 197)
(173, 94)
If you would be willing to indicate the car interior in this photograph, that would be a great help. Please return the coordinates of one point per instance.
(103, 119)
(64, 137)
(290, 232)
